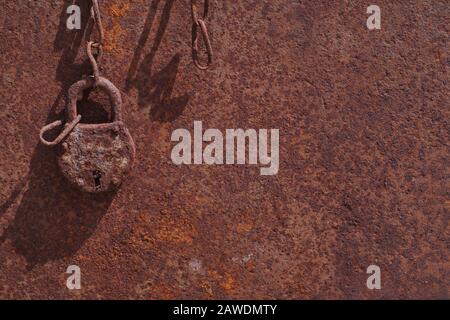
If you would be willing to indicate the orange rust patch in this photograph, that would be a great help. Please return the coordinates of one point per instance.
(140, 240)
(207, 287)
(213, 274)
(228, 283)
(177, 232)
(159, 291)
(244, 227)
(112, 35)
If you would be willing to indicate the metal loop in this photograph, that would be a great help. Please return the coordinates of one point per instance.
(194, 12)
(68, 128)
(93, 61)
(200, 23)
(99, 48)
(103, 84)
(95, 14)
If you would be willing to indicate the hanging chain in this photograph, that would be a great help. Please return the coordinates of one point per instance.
(196, 24)
(94, 59)
(98, 45)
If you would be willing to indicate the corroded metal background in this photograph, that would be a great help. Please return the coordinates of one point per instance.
(364, 131)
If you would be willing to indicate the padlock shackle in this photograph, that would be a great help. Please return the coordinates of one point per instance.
(104, 84)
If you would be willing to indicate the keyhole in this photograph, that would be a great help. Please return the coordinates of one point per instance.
(97, 176)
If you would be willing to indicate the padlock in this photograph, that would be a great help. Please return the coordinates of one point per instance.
(96, 157)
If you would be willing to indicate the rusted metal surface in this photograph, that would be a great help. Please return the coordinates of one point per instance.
(363, 118)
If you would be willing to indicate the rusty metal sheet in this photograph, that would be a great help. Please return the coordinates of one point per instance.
(363, 178)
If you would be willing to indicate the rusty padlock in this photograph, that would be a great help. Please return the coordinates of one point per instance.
(94, 157)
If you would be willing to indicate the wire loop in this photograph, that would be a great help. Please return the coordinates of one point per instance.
(196, 24)
(67, 129)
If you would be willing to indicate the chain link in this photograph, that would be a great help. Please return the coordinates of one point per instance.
(199, 23)
(95, 58)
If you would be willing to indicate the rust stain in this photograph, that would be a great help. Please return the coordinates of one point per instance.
(176, 232)
(158, 291)
(116, 32)
(214, 274)
(228, 283)
(208, 289)
(224, 280)
(162, 291)
(141, 240)
(244, 227)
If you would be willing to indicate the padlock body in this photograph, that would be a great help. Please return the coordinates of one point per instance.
(97, 157)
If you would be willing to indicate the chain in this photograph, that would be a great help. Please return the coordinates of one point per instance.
(94, 60)
(98, 45)
(199, 23)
